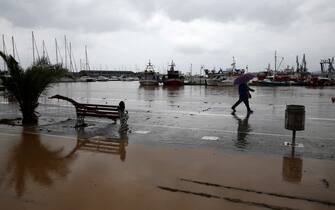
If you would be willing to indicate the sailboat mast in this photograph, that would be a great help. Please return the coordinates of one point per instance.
(275, 61)
(13, 46)
(4, 50)
(65, 51)
(33, 43)
(70, 54)
(56, 50)
(86, 59)
(191, 69)
(43, 49)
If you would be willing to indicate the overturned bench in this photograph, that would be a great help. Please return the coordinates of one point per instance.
(113, 112)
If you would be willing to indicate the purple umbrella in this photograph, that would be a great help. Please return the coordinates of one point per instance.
(243, 78)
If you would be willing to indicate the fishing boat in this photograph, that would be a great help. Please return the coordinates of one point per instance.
(173, 77)
(223, 78)
(149, 77)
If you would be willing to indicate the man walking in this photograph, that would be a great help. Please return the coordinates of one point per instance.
(244, 95)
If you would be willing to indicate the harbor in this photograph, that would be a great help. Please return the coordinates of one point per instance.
(167, 105)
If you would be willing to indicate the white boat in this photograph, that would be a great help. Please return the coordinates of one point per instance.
(149, 77)
(87, 79)
(114, 78)
(195, 80)
(227, 81)
(102, 79)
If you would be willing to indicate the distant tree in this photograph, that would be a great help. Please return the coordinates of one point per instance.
(27, 85)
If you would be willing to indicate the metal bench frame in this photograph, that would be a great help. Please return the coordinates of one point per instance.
(98, 110)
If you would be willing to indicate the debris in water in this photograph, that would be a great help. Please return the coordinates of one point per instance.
(325, 182)
(142, 132)
(210, 138)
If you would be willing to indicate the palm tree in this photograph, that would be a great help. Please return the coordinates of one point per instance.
(27, 85)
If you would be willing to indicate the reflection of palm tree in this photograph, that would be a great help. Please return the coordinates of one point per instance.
(242, 130)
(31, 158)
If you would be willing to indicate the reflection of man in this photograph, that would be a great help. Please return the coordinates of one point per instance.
(242, 130)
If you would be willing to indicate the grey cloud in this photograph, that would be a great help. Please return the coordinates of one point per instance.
(92, 16)
(113, 15)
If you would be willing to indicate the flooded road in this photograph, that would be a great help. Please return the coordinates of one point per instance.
(184, 150)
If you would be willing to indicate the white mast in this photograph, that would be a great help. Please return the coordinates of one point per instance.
(43, 48)
(56, 50)
(87, 67)
(70, 54)
(33, 40)
(65, 51)
(13, 46)
(4, 51)
(275, 61)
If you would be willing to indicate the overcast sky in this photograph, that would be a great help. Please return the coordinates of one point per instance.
(125, 34)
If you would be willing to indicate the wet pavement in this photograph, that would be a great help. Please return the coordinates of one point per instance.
(183, 116)
(184, 149)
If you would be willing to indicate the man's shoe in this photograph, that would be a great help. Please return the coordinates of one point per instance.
(250, 111)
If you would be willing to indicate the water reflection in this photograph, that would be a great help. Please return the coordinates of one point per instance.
(148, 94)
(95, 141)
(216, 90)
(173, 91)
(32, 160)
(292, 167)
(243, 130)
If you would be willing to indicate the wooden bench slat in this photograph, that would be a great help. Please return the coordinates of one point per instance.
(99, 105)
(97, 108)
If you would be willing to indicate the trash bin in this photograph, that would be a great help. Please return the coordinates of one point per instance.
(295, 117)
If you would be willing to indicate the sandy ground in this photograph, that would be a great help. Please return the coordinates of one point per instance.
(46, 171)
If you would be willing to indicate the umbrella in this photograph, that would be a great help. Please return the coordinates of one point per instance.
(244, 78)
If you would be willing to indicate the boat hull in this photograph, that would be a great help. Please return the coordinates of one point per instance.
(149, 82)
(211, 82)
(173, 82)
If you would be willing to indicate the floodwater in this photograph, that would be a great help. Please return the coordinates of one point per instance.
(184, 115)
(184, 150)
